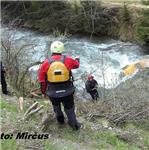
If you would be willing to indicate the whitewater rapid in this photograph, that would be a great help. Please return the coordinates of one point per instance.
(102, 58)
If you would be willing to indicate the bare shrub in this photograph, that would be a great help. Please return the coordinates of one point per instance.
(131, 100)
(17, 55)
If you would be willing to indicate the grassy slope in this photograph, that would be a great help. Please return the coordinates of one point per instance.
(93, 134)
(131, 3)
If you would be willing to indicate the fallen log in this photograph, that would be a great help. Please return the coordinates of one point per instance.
(33, 112)
(21, 103)
(33, 106)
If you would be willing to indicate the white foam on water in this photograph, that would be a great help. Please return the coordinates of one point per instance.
(112, 55)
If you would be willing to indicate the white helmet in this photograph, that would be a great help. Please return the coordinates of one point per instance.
(57, 47)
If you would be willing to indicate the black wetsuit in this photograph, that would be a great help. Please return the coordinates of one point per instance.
(90, 87)
(3, 81)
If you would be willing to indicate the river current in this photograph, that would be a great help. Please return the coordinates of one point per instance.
(103, 58)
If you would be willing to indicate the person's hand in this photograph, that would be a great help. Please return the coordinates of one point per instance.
(77, 58)
(96, 86)
(43, 87)
(44, 96)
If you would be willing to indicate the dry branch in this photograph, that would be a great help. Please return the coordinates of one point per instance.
(33, 94)
(21, 102)
(33, 112)
(33, 106)
(121, 117)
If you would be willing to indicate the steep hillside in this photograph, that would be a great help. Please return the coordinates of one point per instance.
(98, 130)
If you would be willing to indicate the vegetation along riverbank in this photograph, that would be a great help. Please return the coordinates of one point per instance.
(127, 20)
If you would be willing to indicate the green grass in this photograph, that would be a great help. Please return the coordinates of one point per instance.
(122, 1)
(8, 144)
(145, 137)
(146, 142)
(131, 3)
(110, 138)
(49, 145)
(9, 106)
(65, 138)
(58, 145)
(96, 139)
(143, 133)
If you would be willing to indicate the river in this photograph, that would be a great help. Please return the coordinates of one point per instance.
(104, 58)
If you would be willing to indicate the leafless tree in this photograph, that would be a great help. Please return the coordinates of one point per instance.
(17, 56)
(91, 17)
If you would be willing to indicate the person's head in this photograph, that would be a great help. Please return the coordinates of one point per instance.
(57, 47)
(90, 77)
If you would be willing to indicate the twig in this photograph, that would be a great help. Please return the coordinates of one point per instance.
(33, 147)
(33, 106)
(140, 113)
(35, 89)
(36, 95)
(122, 117)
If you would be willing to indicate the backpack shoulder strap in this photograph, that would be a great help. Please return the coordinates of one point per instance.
(63, 58)
(51, 60)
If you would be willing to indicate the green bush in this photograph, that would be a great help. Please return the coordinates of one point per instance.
(87, 17)
(125, 14)
(126, 29)
(145, 2)
(142, 27)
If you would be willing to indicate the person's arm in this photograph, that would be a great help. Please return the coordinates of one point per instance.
(77, 58)
(96, 82)
(42, 76)
(87, 86)
(2, 68)
(72, 63)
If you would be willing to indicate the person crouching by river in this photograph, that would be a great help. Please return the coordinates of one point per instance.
(91, 87)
